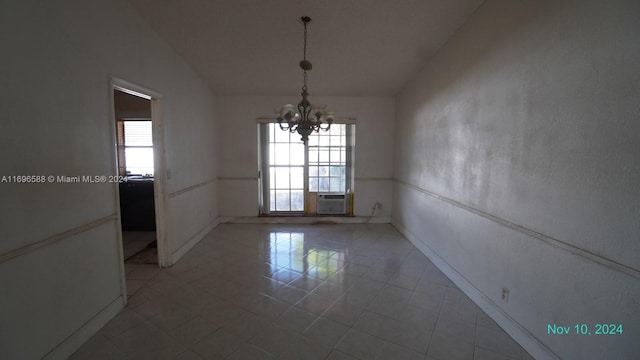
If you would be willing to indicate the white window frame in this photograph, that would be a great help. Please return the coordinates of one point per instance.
(264, 169)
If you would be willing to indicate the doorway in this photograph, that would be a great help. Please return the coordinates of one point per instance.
(134, 144)
(141, 195)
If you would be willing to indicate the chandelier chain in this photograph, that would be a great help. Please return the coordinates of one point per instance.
(304, 53)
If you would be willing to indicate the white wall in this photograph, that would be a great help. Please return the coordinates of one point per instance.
(60, 256)
(239, 152)
(517, 166)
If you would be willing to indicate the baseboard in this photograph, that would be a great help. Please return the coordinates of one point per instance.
(304, 219)
(84, 333)
(523, 337)
(176, 255)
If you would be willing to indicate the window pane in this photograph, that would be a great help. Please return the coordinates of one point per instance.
(323, 184)
(324, 156)
(297, 200)
(280, 136)
(335, 140)
(297, 178)
(272, 200)
(272, 178)
(313, 155)
(282, 200)
(139, 160)
(324, 140)
(323, 170)
(281, 154)
(335, 170)
(313, 140)
(313, 171)
(313, 184)
(282, 178)
(297, 154)
(272, 158)
(334, 184)
(335, 156)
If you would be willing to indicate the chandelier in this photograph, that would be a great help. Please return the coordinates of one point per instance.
(305, 118)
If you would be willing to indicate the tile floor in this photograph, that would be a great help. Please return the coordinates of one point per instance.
(357, 291)
(140, 247)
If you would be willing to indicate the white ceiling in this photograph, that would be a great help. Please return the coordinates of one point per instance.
(357, 47)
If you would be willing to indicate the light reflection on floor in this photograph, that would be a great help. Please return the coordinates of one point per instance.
(288, 249)
(351, 291)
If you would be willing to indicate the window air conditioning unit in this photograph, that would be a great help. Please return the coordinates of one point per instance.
(332, 204)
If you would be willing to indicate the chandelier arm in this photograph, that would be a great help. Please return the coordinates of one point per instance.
(290, 125)
(282, 127)
(329, 122)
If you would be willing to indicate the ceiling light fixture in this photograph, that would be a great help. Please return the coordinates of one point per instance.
(306, 118)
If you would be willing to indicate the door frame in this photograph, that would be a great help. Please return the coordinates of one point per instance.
(159, 163)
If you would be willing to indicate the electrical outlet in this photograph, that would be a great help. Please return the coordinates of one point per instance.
(505, 295)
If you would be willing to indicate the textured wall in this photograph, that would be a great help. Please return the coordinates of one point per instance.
(517, 166)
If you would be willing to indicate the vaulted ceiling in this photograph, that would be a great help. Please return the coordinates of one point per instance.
(357, 47)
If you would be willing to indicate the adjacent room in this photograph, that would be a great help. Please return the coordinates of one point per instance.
(312, 179)
(134, 144)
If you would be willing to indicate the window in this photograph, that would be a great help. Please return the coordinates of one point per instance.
(286, 171)
(292, 171)
(135, 147)
(328, 160)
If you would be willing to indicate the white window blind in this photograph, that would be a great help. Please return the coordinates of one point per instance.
(135, 147)
(137, 133)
